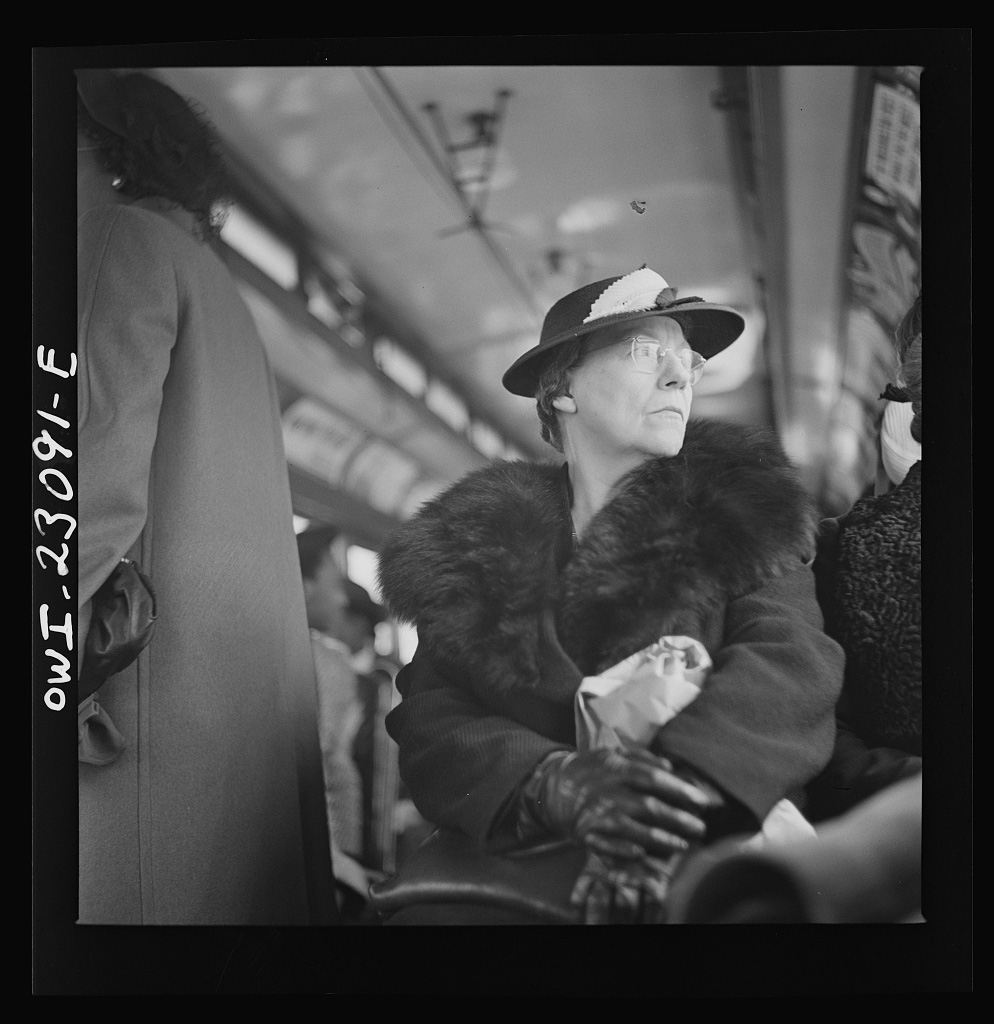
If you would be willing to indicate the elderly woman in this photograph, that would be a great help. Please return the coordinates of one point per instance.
(523, 579)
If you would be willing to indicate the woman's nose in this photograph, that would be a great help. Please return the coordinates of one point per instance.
(673, 373)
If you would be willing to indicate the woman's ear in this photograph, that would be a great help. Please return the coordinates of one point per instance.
(564, 403)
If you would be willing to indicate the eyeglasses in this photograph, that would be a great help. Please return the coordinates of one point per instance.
(647, 354)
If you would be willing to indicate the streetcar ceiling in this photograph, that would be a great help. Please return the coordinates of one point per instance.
(587, 172)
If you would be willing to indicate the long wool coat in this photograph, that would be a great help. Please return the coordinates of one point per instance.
(214, 813)
(715, 543)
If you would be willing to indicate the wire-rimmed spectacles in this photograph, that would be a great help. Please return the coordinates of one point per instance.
(647, 354)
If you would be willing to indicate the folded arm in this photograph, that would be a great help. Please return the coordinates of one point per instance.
(471, 767)
(856, 771)
(764, 723)
(461, 760)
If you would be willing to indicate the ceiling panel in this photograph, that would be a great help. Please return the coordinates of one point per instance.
(597, 171)
(734, 183)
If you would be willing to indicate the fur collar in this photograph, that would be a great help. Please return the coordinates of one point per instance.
(475, 570)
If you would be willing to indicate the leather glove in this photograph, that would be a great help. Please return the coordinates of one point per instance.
(725, 815)
(610, 890)
(620, 803)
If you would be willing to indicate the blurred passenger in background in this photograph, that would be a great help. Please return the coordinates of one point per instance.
(391, 825)
(370, 750)
(525, 578)
(869, 585)
(208, 811)
(340, 713)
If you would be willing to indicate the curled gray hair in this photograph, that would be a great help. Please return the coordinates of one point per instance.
(553, 382)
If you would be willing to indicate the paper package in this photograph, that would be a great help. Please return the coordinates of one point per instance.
(625, 705)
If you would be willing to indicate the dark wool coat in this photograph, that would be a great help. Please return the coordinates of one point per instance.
(715, 543)
(868, 573)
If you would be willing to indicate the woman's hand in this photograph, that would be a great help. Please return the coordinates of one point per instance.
(620, 803)
(610, 890)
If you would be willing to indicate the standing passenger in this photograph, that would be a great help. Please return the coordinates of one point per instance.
(211, 814)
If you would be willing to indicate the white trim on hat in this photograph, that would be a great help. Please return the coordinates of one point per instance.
(634, 293)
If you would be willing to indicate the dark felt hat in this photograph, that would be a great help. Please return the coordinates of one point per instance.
(139, 108)
(630, 297)
(100, 92)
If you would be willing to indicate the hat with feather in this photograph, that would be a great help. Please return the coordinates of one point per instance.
(628, 298)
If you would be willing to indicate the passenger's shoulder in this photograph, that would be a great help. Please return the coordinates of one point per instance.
(145, 225)
(126, 234)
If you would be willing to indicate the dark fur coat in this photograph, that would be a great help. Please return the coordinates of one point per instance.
(868, 572)
(875, 613)
(714, 543)
(476, 567)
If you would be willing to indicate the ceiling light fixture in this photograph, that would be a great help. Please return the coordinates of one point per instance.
(471, 163)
